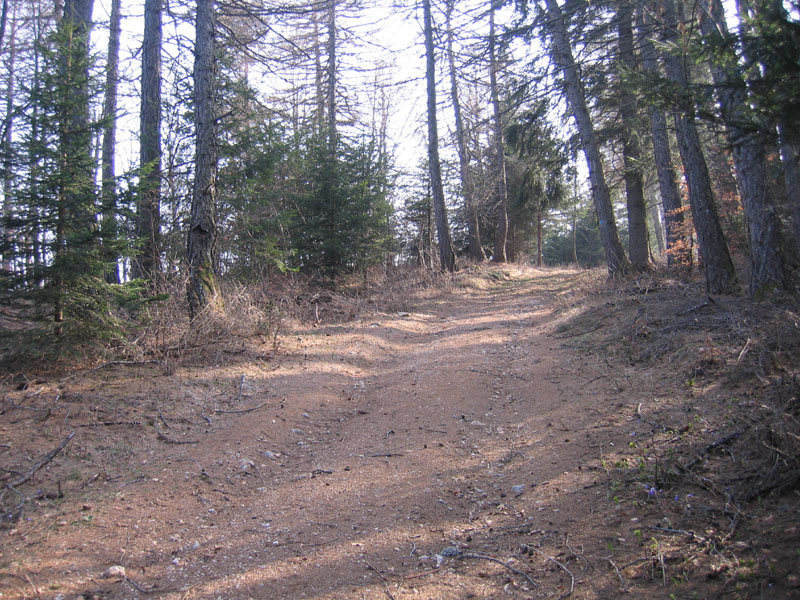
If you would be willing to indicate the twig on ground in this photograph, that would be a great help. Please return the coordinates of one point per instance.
(237, 412)
(42, 461)
(383, 579)
(432, 430)
(386, 454)
(109, 423)
(616, 570)
(565, 569)
(169, 440)
(720, 442)
(708, 302)
(112, 363)
(505, 564)
(163, 420)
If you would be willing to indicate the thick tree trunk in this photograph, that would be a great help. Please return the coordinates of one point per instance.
(148, 221)
(667, 178)
(446, 253)
(500, 184)
(473, 228)
(766, 260)
(203, 289)
(717, 265)
(631, 149)
(616, 260)
(108, 187)
(790, 161)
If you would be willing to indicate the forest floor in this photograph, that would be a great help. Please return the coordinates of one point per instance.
(504, 433)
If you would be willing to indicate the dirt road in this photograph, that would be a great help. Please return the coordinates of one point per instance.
(453, 451)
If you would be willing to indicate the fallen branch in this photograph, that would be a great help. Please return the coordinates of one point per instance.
(720, 442)
(506, 565)
(43, 461)
(238, 412)
(383, 579)
(109, 423)
(708, 302)
(169, 440)
(566, 570)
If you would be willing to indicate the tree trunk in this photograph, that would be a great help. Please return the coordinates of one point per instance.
(655, 219)
(616, 260)
(631, 150)
(749, 158)
(8, 136)
(148, 222)
(539, 239)
(446, 252)
(108, 187)
(203, 289)
(500, 187)
(473, 228)
(717, 265)
(667, 178)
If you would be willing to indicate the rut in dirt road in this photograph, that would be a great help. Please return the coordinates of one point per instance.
(438, 453)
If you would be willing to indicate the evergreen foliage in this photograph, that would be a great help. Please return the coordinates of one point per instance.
(60, 265)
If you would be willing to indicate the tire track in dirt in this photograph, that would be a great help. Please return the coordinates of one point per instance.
(382, 442)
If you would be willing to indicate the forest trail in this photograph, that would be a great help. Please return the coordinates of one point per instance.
(369, 452)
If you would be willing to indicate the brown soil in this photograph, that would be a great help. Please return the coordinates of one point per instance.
(513, 434)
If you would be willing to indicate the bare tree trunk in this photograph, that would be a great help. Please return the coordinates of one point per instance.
(667, 178)
(203, 289)
(467, 190)
(446, 251)
(332, 74)
(500, 187)
(616, 260)
(749, 157)
(319, 77)
(148, 222)
(717, 265)
(655, 219)
(631, 150)
(108, 187)
(8, 136)
(539, 239)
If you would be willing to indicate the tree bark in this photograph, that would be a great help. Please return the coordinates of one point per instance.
(8, 137)
(475, 247)
(655, 219)
(446, 253)
(108, 187)
(667, 178)
(768, 20)
(203, 290)
(631, 149)
(148, 225)
(717, 265)
(749, 158)
(616, 260)
(500, 183)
